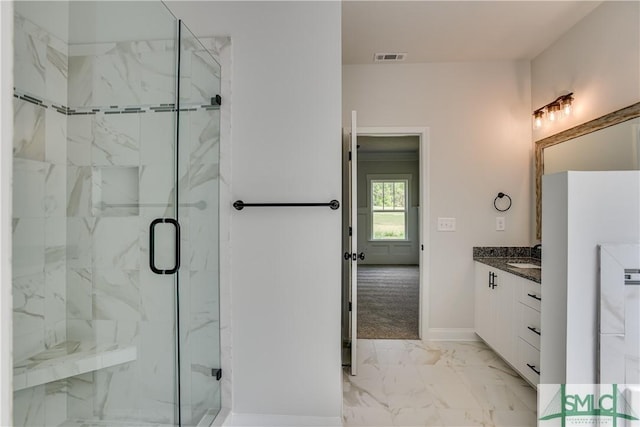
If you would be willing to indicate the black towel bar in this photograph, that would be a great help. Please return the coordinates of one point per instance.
(239, 204)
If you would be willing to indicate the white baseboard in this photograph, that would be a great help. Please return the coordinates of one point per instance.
(451, 334)
(263, 420)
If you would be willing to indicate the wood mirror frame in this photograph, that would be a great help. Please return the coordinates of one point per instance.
(605, 121)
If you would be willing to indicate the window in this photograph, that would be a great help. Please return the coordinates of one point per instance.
(389, 209)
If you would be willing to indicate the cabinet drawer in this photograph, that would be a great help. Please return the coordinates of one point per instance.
(531, 294)
(530, 325)
(529, 361)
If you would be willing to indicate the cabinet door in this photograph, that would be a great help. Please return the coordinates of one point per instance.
(504, 319)
(483, 303)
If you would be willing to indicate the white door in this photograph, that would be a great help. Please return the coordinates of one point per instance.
(350, 246)
(353, 220)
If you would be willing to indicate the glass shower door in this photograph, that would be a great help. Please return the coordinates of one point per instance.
(198, 154)
(115, 217)
(122, 232)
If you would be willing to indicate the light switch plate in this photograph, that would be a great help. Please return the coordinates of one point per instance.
(500, 223)
(446, 224)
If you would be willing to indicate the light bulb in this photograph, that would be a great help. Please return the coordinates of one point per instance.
(554, 109)
(537, 123)
(537, 119)
(566, 107)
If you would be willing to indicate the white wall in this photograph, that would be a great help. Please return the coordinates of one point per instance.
(480, 144)
(285, 263)
(6, 121)
(598, 60)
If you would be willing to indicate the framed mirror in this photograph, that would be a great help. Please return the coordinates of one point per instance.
(610, 142)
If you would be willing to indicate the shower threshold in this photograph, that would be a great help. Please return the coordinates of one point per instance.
(206, 421)
(108, 423)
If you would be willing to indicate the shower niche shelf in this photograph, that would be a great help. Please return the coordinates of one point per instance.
(69, 359)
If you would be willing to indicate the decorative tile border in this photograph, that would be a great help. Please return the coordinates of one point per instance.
(111, 109)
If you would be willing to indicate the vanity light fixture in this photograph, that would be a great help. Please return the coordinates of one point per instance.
(553, 111)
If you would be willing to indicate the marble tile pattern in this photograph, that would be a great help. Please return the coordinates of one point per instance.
(39, 191)
(416, 383)
(69, 359)
(92, 171)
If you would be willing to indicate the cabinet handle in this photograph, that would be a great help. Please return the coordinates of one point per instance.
(533, 368)
(492, 280)
(534, 330)
(534, 296)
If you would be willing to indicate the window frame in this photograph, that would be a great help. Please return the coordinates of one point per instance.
(371, 179)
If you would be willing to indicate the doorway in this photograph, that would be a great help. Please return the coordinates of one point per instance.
(388, 234)
(386, 209)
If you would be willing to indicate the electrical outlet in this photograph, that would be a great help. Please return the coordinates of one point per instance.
(500, 223)
(446, 224)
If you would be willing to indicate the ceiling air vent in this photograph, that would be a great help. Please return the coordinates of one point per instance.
(389, 57)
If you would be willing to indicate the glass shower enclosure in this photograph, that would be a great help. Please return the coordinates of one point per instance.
(115, 217)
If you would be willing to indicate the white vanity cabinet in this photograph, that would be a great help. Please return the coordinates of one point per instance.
(529, 330)
(495, 317)
(507, 318)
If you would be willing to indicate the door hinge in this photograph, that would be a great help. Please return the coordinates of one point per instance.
(216, 373)
(422, 247)
(350, 231)
(350, 305)
(349, 155)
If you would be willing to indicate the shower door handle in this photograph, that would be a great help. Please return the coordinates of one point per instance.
(152, 233)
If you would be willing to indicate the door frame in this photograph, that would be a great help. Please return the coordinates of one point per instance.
(423, 212)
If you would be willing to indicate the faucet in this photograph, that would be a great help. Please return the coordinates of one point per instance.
(538, 246)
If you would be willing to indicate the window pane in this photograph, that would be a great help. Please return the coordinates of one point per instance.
(399, 195)
(388, 225)
(388, 195)
(376, 195)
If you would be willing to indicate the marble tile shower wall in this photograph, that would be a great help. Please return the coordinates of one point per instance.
(101, 162)
(39, 214)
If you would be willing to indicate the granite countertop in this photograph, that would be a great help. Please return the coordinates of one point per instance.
(498, 257)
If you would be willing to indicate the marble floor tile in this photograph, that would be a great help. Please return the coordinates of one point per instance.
(497, 397)
(416, 417)
(466, 418)
(440, 383)
(440, 375)
(480, 375)
(367, 417)
(453, 396)
(422, 399)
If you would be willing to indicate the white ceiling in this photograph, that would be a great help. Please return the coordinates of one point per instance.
(448, 31)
